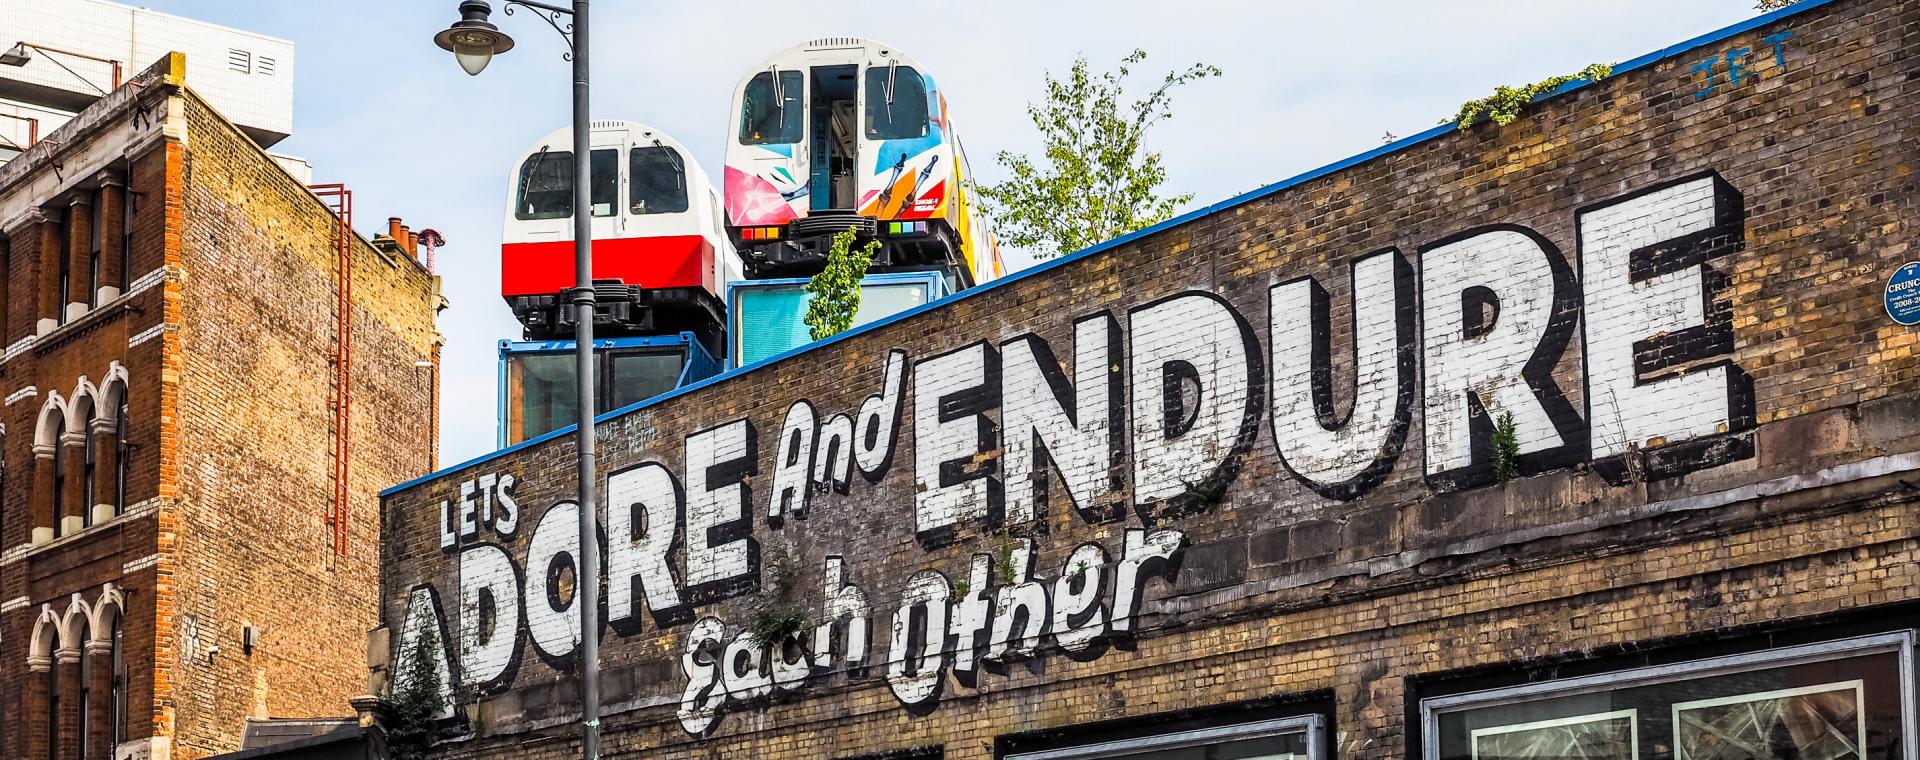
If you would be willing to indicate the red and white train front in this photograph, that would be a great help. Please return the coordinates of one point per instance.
(661, 256)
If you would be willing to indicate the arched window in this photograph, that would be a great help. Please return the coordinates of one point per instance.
(53, 713)
(85, 696)
(118, 705)
(89, 462)
(120, 452)
(59, 485)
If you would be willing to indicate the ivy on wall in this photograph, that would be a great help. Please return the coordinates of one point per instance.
(1505, 104)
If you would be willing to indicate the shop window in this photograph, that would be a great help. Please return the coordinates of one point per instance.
(1833, 701)
(918, 753)
(1296, 738)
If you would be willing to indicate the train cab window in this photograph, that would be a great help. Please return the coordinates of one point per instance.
(605, 192)
(659, 181)
(771, 115)
(896, 103)
(546, 186)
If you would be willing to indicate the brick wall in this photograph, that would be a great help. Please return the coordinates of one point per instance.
(257, 337)
(1670, 280)
(224, 339)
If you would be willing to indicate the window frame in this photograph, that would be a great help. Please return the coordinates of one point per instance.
(66, 264)
(89, 466)
(593, 183)
(787, 92)
(565, 159)
(876, 75)
(53, 710)
(1900, 643)
(86, 693)
(633, 180)
(1312, 724)
(120, 456)
(59, 484)
(96, 237)
(118, 691)
(127, 202)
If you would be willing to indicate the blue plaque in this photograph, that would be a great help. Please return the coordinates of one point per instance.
(1903, 294)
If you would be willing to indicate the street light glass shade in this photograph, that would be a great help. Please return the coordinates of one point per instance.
(474, 43)
(473, 58)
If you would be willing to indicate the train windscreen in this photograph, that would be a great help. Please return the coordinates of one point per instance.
(658, 181)
(546, 185)
(770, 114)
(896, 103)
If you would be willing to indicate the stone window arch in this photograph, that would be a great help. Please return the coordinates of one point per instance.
(48, 427)
(109, 431)
(106, 652)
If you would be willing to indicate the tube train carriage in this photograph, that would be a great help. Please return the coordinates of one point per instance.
(661, 261)
(840, 133)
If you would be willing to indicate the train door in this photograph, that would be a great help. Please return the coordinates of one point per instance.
(603, 194)
(834, 117)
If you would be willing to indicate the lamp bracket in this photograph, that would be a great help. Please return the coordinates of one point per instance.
(550, 14)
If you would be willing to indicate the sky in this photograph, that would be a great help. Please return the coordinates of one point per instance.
(379, 107)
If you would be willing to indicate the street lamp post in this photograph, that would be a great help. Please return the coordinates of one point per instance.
(474, 41)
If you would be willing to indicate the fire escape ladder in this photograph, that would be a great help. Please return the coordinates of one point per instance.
(340, 397)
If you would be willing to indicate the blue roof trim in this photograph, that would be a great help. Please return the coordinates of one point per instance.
(1034, 271)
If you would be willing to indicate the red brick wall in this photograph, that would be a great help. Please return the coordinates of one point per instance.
(231, 270)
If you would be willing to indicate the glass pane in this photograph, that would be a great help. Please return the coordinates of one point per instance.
(605, 192)
(546, 186)
(659, 181)
(768, 117)
(769, 320)
(880, 301)
(1842, 709)
(1284, 747)
(896, 103)
(635, 376)
(543, 394)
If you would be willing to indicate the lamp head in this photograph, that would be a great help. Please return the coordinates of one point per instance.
(18, 55)
(473, 40)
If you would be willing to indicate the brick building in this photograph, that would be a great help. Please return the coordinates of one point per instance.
(1586, 436)
(182, 548)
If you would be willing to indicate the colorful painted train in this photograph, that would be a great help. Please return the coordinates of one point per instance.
(837, 134)
(846, 133)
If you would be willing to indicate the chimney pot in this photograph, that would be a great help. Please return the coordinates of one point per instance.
(394, 227)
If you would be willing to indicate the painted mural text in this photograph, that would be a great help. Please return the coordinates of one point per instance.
(1135, 428)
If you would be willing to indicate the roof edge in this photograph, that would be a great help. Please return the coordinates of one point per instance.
(1633, 64)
